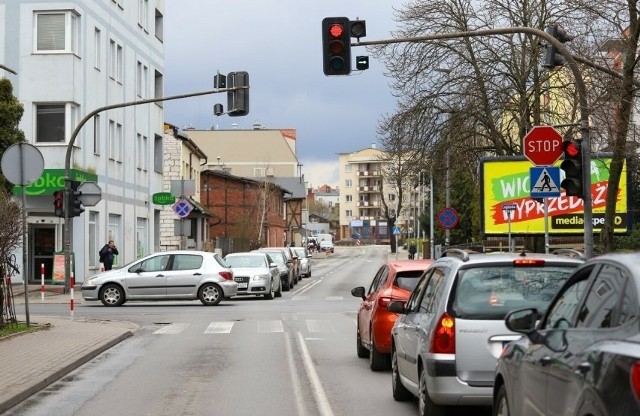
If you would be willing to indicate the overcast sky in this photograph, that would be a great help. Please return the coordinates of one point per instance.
(279, 43)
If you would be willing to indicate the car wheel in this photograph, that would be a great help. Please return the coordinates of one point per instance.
(279, 290)
(271, 293)
(400, 392)
(425, 406)
(363, 352)
(112, 295)
(292, 282)
(285, 284)
(378, 361)
(210, 294)
(501, 405)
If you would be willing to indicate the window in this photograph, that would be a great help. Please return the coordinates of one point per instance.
(349, 213)
(142, 151)
(143, 14)
(114, 232)
(57, 32)
(433, 291)
(391, 197)
(159, 25)
(142, 78)
(54, 120)
(258, 172)
(186, 262)
(97, 50)
(112, 139)
(347, 168)
(116, 62)
(602, 300)
(141, 234)
(348, 198)
(97, 126)
(564, 310)
(378, 280)
(93, 239)
(157, 154)
(348, 183)
(158, 84)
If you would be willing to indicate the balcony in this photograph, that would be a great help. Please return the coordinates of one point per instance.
(369, 173)
(368, 189)
(365, 204)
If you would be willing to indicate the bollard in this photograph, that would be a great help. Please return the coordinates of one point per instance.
(73, 283)
(42, 282)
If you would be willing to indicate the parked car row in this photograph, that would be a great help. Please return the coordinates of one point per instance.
(457, 339)
(192, 274)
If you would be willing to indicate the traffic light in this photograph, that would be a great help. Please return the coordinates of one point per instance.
(58, 203)
(362, 62)
(336, 45)
(572, 167)
(552, 58)
(75, 204)
(358, 29)
(238, 97)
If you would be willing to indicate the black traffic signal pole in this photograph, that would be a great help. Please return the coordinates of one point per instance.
(68, 229)
(582, 99)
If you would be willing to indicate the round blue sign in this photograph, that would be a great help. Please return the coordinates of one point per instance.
(448, 218)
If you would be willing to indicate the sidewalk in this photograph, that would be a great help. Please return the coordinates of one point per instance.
(30, 362)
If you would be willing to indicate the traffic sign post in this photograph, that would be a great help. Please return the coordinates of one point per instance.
(542, 145)
(509, 208)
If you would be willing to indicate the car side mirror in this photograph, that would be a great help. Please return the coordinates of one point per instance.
(522, 320)
(397, 306)
(272, 265)
(358, 292)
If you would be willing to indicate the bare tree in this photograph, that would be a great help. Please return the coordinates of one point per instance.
(10, 238)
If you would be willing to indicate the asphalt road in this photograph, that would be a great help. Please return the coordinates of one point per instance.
(294, 355)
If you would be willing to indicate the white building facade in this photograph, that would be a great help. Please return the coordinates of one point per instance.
(73, 57)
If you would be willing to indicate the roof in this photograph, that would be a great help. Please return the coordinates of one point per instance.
(201, 209)
(294, 185)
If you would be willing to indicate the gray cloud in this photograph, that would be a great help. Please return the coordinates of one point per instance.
(280, 44)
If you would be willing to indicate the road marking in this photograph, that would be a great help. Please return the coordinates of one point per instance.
(319, 325)
(321, 399)
(270, 326)
(334, 298)
(172, 329)
(219, 328)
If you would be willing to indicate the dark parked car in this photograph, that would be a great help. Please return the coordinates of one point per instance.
(583, 355)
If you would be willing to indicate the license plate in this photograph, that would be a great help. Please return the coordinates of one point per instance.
(243, 285)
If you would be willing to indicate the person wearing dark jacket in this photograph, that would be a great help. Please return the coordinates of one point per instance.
(106, 254)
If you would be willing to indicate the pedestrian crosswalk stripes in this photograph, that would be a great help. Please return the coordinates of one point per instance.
(313, 326)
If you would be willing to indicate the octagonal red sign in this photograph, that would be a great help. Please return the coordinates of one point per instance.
(542, 145)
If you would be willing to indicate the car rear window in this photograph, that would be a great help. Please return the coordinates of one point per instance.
(491, 292)
(408, 280)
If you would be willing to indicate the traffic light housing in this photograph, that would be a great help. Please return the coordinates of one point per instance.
(552, 57)
(572, 183)
(75, 204)
(238, 96)
(58, 203)
(336, 45)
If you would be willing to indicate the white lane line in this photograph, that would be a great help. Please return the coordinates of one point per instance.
(319, 394)
(295, 378)
(319, 325)
(270, 326)
(334, 298)
(172, 329)
(219, 327)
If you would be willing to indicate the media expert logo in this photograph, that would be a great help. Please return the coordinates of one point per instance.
(507, 181)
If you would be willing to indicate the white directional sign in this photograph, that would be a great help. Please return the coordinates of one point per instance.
(545, 182)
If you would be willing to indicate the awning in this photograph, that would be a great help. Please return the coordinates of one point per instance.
(200, 210)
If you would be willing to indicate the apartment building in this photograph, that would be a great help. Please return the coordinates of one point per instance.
(362, 188)
(72, 58)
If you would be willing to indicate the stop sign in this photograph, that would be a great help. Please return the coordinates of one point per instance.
(542, 145)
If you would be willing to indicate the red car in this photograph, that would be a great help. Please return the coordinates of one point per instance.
(393, 281)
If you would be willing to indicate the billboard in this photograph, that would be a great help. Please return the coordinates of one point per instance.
(507, 181)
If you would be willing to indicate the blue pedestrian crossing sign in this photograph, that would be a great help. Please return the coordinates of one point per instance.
(545, 182)
(396, 230)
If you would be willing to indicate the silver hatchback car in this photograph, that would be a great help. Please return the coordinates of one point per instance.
(168, 275)
(451, 331)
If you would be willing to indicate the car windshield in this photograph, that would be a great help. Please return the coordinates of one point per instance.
(408, 280)
(300, 252)
(277, 257)
(245, 261)
(491, 292)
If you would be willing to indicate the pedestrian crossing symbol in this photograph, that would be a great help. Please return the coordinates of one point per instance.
(545, 181)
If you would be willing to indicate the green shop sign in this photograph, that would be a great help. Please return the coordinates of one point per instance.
(163, 198)
(52, 180)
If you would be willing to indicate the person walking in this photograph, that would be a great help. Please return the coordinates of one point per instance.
(106, 254)
(412, 251)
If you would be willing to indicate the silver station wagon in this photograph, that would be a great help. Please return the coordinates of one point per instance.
(451, 331)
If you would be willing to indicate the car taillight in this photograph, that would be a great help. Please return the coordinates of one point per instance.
(634, 379)
(226, 275)
(444, 336)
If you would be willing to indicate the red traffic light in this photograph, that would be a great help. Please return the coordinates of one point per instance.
(336, 30)
(570, 148)
(58, 199)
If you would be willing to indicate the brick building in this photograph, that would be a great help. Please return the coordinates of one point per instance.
(248, 213)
